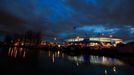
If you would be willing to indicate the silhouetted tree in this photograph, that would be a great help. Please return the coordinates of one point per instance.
(8, 39)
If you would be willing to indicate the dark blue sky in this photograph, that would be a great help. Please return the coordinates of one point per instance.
(57, 18)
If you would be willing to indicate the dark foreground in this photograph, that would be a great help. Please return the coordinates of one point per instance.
(23, 61)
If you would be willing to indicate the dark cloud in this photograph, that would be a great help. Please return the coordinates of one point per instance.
(10, 23)
(9, 19)
(56, 18)
(106, 11)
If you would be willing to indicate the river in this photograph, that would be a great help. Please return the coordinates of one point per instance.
(23, 61)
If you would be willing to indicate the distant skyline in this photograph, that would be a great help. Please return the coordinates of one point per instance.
(57, 18)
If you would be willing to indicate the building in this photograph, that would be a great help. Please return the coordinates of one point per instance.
(106, 42)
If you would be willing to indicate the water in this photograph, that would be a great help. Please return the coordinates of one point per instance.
(22, 61)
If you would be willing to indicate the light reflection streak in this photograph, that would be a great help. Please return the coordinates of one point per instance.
(62, 55)
(9, 51)
(96, 60)
(114, 69)
(58, 54)
(77, 63)
(99, 60)
(106, 72)
(24, 54)
(49, 54)
(17, 52)
(53, 59)
(54, 55)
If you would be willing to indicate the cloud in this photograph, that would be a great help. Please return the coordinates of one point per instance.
(10, 23)
(9, 19)
(113, 12)
(98, 29)
(56, 18)
(132, 30)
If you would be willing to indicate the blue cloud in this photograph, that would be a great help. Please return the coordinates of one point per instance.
(63, 35)
(132, 30)
(59, 16)
(98, 29)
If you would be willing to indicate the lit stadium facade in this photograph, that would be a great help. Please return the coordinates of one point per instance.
(97, 42)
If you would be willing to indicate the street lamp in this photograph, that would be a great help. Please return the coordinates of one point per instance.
(55, 38)
(78, 38)
(110, 36)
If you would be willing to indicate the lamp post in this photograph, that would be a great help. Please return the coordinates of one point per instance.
(78, 38)
(111, 37)
(55, 39)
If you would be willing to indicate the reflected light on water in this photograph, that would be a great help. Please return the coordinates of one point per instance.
(106, 72)
(58, 54)
(77, 63)
(62, 55)
(12, 52)
(49, 54)
(24, 53)
(53, 60)
(54, 55)
(96, 60)
(17, 52)
(114, 69)
(105, 60)
(76, 58)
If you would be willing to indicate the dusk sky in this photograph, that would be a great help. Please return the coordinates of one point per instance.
(57, 18)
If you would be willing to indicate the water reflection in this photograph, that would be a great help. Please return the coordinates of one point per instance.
(18, 61)
(55, 55)
(91, 59)
(17, 52)
(105, 72)
(80, 64)
(114, 69)
(80, 59)
(95, 60)
(23, 53)
(53, 58)
(110, 64)
(111, 71)
(57, 62)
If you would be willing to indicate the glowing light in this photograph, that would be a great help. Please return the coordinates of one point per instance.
(106, 41)
(58, 53)
(55, 38)
(62, 55)
(9, 51)
(77, 63)
(59, 46)
(106, 72)
(110, 35)
(24, 54)
(16, 44)
(49, 54)
(114, 69)
(53, 58)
